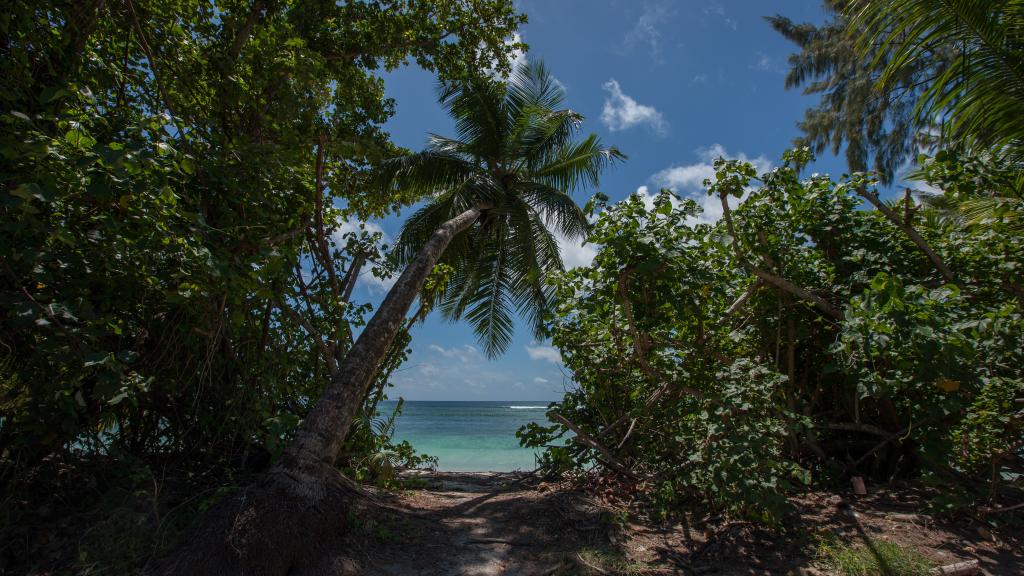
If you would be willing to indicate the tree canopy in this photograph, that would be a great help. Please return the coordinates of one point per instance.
(514, 153)
(175, 281)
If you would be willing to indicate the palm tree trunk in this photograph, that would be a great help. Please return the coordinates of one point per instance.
(319, 439)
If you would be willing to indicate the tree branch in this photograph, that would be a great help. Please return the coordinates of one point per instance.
(744, 297)
(160, 87)
(589, 441)
(243, 35)
(768, 277)
(910, 231)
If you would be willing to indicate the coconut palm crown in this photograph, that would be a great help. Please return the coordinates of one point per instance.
(516, 158)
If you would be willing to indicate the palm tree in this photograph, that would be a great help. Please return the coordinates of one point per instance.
(979, 96)
(497, 191)
(978, 99)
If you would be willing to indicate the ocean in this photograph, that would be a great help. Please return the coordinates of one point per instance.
(469, 436)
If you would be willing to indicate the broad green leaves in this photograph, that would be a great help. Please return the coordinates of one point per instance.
(701, 363)
(162, 208)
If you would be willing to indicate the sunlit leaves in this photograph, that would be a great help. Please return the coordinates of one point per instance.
(515, 156)
(697, 374)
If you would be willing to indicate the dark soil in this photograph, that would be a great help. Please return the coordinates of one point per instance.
(478, 524)
(482, 524)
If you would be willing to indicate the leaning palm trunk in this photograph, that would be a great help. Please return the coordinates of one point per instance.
(327, 424)
(293, 519)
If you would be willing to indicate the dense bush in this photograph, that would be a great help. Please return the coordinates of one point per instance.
(176, 271)
(799, 340)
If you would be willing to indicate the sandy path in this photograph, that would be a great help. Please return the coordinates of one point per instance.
(486, 524)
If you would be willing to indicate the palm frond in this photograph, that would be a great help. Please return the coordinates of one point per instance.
(488, 309)
(535, 255)
(559, 211)
(542, 134)
(979, 97)
(428, 172)
(482, 120)
(515, 156)
(577, 164)
(988, 211)
(533, 86)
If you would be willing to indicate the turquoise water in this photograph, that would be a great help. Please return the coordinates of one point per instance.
(469, 436)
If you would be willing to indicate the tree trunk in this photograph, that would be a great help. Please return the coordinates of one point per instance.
(324, 429)
(293, 519)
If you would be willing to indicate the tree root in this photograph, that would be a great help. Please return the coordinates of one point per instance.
(290, 522)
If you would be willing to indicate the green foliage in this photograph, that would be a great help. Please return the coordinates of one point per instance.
(515, 157)
(873, 127)
(980, 189)
(979, 97)
(376, 457)
(796, 341)
(979, 441)
(174, 281)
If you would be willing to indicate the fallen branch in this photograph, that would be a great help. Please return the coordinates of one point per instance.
(912, 518)
(486, 541)
(998, 509)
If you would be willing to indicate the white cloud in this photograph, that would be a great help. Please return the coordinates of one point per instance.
(460, 372)
(350, 226)
(717, 10)
(366, 277)
(518, 54)
(545, 353)
(622, 112)
(646, 31)
(539, 380)
(688, 180)
(765, 63)
(516, 59)
(699, 79)
(465, 353)
(574, 253)
(690, 177)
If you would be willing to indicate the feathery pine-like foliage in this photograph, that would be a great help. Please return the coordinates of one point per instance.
(515, 153)
(978, 97)
(874, 126)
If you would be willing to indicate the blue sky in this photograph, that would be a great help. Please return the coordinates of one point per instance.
(672, 84)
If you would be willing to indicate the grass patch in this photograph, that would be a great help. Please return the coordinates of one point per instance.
(872, 558)
(610, 562)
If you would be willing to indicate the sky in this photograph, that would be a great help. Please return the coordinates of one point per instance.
(672, 84)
